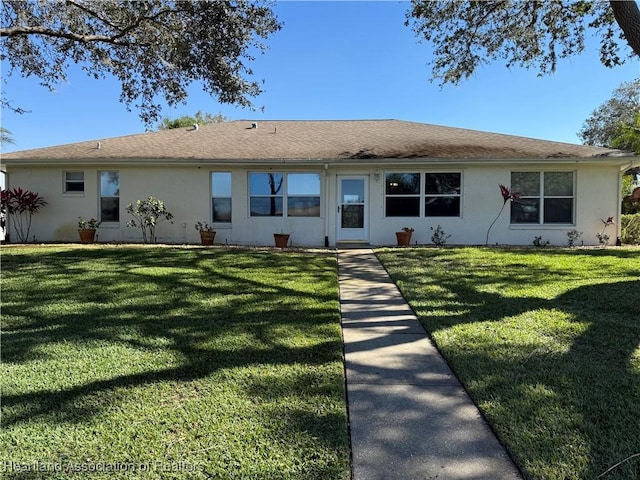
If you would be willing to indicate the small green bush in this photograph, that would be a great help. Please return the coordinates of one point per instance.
(146, 215)
(630, 229)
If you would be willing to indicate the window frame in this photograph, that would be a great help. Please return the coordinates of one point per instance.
(423, 195)
(457, 196)
(283, 194)
(541, 199)
(279, 194)
(290, 195)
(101, 197)
(221, 197)
(66, 181)
(397, 196)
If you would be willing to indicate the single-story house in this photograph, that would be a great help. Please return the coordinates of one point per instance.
(326, 183)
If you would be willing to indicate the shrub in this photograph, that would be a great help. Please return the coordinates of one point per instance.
(439, 238)
(539, 242)
(146, 215)
(630, 229)
(572, 237)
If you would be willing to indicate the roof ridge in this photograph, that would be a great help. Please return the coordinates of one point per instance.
(320, 120)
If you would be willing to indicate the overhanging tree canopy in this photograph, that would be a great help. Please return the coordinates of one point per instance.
(187, 121)
(628, 137)
(532, 34)
(605, 123)
(155, 48)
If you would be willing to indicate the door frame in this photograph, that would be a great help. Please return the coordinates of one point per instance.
(352, 234)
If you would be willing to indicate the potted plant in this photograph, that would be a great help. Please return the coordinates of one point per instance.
(87, 229)
(281, 239)
(207, 233)
(404, 237)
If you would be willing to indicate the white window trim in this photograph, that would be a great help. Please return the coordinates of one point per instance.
(419, 195)
(65, 192)
(108, 223)
(318, 195)
(442, 195)
(212, 196)
(541, 197)
(284, 193)
(423, 192)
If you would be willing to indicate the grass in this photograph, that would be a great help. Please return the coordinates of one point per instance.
(150, 363)
(547, 342)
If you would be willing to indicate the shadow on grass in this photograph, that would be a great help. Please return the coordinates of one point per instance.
(214, 310)
(563, 394)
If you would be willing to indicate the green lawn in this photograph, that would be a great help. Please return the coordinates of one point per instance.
(547, 341)
(142, 362)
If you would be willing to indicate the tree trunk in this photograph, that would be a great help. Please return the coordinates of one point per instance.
(627, 15)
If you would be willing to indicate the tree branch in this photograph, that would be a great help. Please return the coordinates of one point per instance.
(122, 30)
(92, 14)
(473, 34)
(38, 30)
(115, 39)
(136, 42)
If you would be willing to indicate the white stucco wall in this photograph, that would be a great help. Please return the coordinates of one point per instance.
(596, 191)
(186, 190)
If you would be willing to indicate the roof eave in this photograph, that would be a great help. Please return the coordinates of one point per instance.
(331, 161)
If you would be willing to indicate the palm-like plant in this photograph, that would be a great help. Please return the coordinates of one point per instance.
(506, 196)
(20, 205)
(5, 136)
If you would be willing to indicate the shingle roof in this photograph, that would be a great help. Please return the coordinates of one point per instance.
(311, 140)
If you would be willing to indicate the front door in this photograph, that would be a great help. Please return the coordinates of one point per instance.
(353, 221)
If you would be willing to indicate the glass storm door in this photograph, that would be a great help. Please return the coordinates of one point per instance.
(352, 208)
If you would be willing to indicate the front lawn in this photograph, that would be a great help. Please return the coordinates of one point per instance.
(547, 342)
(142, 362)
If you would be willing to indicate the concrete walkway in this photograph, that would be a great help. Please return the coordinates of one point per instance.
(409, 416)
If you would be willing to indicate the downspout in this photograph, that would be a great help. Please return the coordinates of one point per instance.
(624, 168)
(326, 205)
(4, 234)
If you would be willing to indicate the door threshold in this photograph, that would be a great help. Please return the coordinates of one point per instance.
(353, 244)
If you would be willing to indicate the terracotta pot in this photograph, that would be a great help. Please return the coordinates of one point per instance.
(87, 235)
(403, 238)
(281, 239)
(207, 237)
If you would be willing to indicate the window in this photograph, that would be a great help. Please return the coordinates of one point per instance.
(267, 199)
(442, 194)
(402, 192)
(546, 197)
(265, 194)
(303, 195)
(221, 197)
(109, 196)
(73, 182)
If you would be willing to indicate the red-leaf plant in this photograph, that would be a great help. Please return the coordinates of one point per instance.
(506, 196)
(20, 205)
(603, 238)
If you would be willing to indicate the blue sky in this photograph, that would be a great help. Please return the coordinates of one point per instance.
(340, 60)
